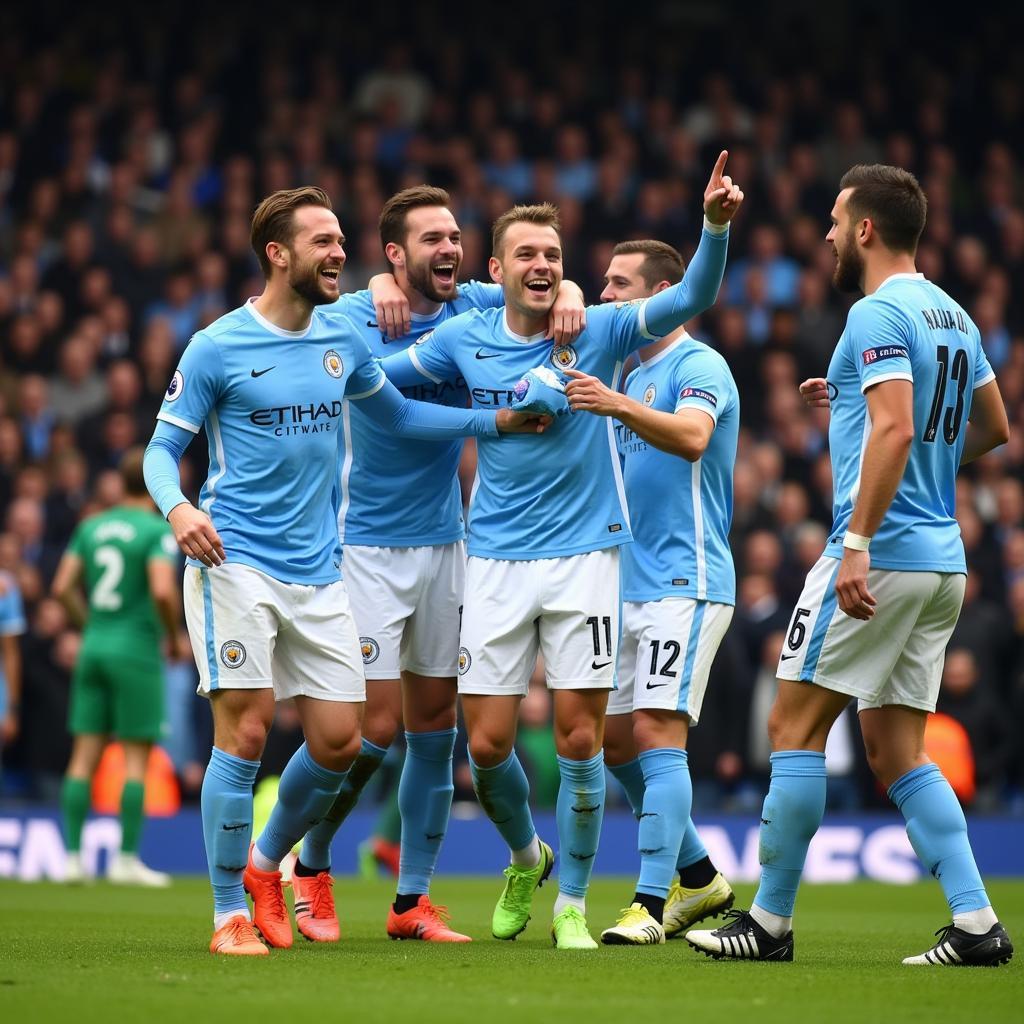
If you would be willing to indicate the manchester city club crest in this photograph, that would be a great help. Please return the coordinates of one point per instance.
(650, 394)
(564, 357)
(333, 364)
(464, 661)
(232, 654)
(370, 649)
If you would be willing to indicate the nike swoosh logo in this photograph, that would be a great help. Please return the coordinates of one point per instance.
(492, 355)
(654, 686)
(786, 657)
(434, 835)
(259, 373)
(596, 665)
(371, 323)
(235, 828)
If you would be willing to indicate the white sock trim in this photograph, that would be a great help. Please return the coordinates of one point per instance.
(774, 924)
(219, 920)
(976, 922)
(528, 856)
(565, 899)
(263, 863)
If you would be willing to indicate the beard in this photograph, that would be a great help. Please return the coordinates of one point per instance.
(304, 280)
(849, 267)
(422, 279)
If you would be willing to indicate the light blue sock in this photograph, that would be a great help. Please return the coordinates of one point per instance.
(226, 803)
(791, 814)
(938, 833)
(693, 848)
(668, 796)
(504, 794)
(579, 812)
(316, 847)
(425, 800)
(631, 778)
(304, 796)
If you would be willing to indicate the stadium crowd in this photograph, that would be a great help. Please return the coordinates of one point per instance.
(129, 171)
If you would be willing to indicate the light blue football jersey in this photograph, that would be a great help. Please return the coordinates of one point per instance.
(908, 329)
(681, 511)
(12, 623)
(558, 493)
(407, 491)
(272, 404)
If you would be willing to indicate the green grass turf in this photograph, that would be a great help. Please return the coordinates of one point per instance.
(103, 954)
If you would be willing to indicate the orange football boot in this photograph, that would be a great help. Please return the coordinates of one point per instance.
(314, 907)
(424, 921)
(269, 912)
(387, 854)
(238, 938)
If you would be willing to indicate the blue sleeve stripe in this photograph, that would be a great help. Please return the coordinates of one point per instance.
(691, 653)
(825, 613)
(211, 653)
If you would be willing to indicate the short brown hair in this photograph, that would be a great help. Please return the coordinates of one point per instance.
(545, 214)
(892, 198)
(130, 468)
(661, 262)
(395, 211)
(274, 219)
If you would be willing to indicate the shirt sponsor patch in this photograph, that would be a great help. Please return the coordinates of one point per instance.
(874, 355)
(699, 393)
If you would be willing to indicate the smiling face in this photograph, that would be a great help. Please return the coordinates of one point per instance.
(432, 254)
(315, 255)
(849, 272)
(529, 268)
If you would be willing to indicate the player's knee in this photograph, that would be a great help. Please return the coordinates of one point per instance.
(579, 743)
(249, 738)
(489, 750)
(381, 728)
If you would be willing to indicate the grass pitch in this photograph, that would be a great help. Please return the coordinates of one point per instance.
(103, 954)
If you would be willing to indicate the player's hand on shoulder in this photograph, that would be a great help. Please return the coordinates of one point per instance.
(814, 392)
(852, 585)
(568, 316)
(195, 534)
(391, 307)
(723, 197)
(588, 394)
(511, 422)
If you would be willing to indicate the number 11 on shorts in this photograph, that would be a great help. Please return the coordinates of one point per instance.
(595, 623)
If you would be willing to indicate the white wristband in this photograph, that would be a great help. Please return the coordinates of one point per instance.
(715, 229)
(855, 542)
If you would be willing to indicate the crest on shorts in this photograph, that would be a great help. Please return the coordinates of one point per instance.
(650, 394)
(333, 364)
(175, 388)
(564, 357)
(232, 653)
(464, 661)
(370, 649)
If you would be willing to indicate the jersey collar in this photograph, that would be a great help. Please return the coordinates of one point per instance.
(523, 339)
(273, 328)
(899, 277)
(665, 351)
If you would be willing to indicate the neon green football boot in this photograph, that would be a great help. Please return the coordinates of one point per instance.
(569, 931)
(513, 908)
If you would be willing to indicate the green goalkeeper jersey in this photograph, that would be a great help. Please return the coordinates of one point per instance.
(116, 547)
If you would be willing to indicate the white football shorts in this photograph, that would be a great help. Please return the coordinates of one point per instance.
(567, 608)
(407, 604)
(252, 632)
(895, 657)
(666, 654)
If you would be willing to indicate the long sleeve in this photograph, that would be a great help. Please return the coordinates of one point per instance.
(160, 465)
(697, 291)
(389, 408)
